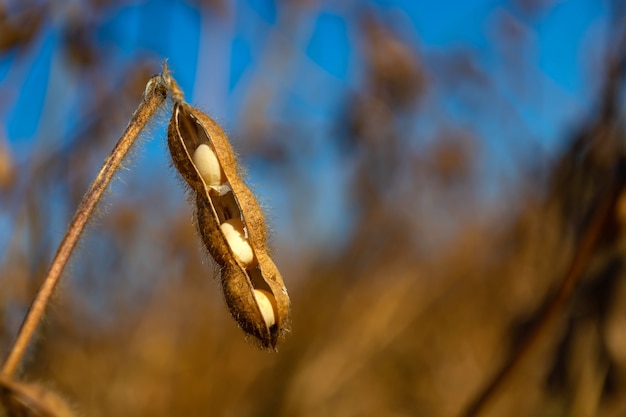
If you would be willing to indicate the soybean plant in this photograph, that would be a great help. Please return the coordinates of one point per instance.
(229, 219)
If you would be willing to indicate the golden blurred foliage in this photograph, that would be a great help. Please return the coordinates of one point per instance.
(426, 295)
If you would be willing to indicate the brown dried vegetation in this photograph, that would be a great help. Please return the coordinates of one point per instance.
(430, 302)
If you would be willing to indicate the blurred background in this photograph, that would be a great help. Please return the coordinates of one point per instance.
(429, 171)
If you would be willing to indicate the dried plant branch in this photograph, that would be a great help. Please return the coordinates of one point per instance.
(581, 259)
(20, 399)
(154, 95)
(600, 219)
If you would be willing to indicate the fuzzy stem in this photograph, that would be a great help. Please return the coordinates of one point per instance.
(154, 96)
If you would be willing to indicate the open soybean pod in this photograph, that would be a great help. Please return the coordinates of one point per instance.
(231, 224)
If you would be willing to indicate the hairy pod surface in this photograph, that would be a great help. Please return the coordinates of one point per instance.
(231, 224)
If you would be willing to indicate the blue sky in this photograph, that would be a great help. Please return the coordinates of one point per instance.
(200, 48)
(218, 58)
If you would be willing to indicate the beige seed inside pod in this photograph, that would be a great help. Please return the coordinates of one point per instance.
(209, 167)
(267, 305)
(233, 231)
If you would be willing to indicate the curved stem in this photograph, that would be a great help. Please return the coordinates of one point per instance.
(154, 96)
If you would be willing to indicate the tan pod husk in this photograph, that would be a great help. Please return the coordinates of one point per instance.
(231, 202)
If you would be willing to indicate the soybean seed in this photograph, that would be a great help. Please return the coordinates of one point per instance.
(208, 166)
(234, 233)
(267, 304)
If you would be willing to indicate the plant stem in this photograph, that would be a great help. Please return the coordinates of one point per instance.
(154, 96)
(580, 261)
(601, 218)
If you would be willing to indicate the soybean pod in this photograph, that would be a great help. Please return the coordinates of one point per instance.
(231, 224)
